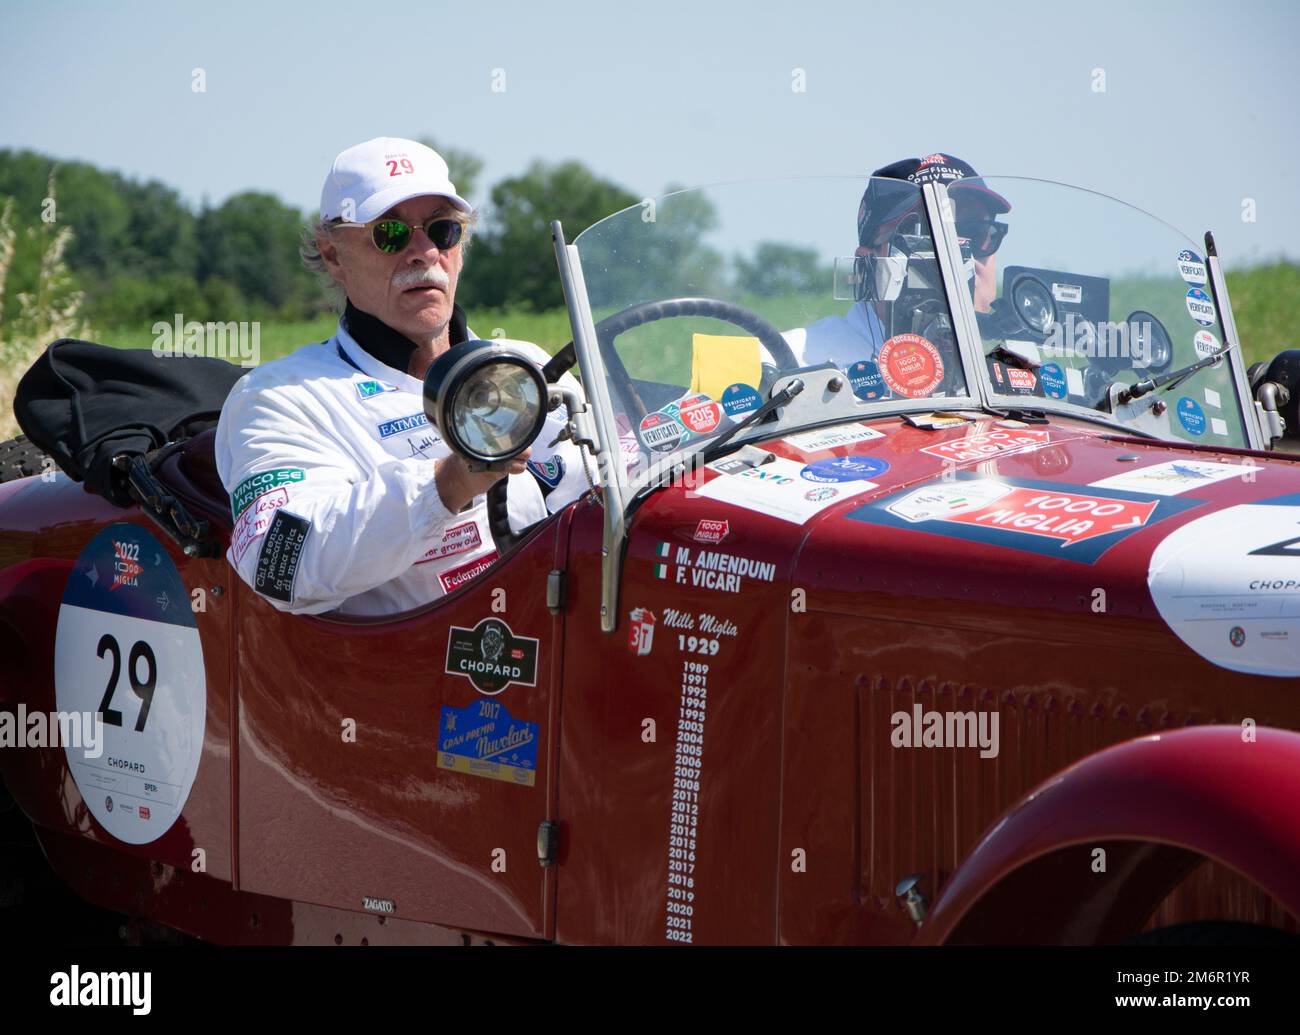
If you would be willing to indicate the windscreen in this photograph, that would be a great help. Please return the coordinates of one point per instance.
(703, 299)
(1079, 297)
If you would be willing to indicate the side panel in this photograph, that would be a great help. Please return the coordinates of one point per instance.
(889, 804)
(367, 770)
(670, 759)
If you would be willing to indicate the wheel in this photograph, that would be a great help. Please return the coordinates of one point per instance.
(20, 458)
(606, 331)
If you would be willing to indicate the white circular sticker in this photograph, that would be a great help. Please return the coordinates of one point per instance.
(127, 646)
(1228, 584)
(1206, 344)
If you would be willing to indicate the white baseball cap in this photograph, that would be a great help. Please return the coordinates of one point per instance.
(368, 179)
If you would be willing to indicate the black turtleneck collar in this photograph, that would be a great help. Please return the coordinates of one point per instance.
(391, 347)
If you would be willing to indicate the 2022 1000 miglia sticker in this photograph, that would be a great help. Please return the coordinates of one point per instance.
(127, 646)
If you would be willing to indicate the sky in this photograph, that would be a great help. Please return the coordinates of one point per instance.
(1186, 110)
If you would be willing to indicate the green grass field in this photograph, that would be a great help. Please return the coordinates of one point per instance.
(548, 329)
(1266, 304)
(1265, 301)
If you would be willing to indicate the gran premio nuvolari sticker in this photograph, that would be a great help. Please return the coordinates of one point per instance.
(127, 646)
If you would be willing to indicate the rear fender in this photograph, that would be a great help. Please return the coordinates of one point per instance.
(1156, 807)
(30, 593)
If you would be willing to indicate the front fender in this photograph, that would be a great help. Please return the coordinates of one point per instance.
(1157, 806)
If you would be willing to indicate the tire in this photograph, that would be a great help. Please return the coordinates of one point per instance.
(20, 458)
(1216, 932)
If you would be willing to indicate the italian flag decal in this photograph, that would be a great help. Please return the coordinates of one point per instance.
(661, 570)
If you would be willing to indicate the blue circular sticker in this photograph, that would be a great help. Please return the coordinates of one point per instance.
(867, 383)
(1200, 307)
(1191, 416)
(1054, 383)
(740, 398)
(1191, 268)
(844, 469)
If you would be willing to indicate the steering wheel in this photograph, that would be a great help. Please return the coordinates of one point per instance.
(606, 331)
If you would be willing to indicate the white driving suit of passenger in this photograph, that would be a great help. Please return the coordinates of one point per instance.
(841, 340)
(329, 461)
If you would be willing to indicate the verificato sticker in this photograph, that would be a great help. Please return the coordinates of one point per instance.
(491, 656)
(1200, 307)
(1191, 268)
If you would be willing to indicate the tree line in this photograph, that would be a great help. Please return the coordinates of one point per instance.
(138, 252)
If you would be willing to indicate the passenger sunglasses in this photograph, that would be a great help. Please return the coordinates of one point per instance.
(393, 235)
(985, 235)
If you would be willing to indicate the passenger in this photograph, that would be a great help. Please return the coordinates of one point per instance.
(887, 211)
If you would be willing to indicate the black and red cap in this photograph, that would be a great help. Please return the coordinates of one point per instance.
(883, 203)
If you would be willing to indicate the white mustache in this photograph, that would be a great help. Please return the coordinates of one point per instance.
(420, 276)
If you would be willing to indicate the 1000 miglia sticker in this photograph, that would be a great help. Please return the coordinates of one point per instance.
(127, 646)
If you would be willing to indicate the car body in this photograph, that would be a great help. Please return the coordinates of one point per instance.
(946, 666)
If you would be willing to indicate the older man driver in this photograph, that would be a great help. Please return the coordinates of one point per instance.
(345, 497)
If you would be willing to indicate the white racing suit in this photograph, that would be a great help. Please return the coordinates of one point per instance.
(842, 340)
(329, 461)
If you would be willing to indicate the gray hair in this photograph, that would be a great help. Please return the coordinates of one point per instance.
(318, 230)
(309, 242)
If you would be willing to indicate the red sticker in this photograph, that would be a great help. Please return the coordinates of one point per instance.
(910, 365)
(701, 414)
(712, 530)
(1068, 516)
(1021, 380)
(641, 631)
(992, 443)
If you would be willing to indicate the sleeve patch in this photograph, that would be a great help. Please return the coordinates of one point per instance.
(277, 564)
(256, 485)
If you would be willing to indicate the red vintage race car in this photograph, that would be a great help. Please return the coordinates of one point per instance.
(924, 594)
